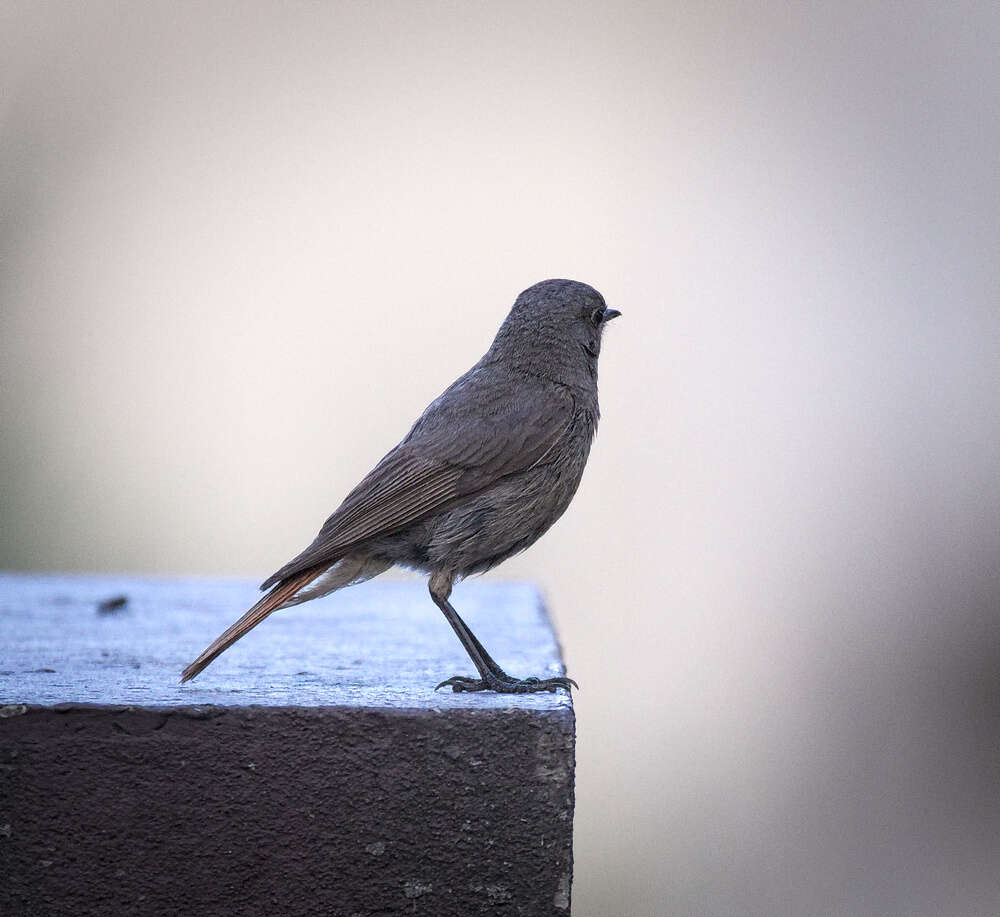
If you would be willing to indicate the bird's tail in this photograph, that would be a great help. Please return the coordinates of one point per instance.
(270, 602)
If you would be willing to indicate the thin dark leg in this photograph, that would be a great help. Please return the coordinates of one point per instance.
(483, 661)
(491, 676)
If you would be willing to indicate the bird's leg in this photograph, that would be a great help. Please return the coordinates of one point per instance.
(491, 676)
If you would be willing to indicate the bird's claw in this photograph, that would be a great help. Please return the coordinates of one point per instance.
(507, 685)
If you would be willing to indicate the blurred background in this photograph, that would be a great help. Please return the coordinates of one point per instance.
(242, 245)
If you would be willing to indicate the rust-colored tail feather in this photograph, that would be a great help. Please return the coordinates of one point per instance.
(270, 602)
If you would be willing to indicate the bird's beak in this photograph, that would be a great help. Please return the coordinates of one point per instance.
(610, 314)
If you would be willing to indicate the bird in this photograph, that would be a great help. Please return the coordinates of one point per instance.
(484, 472)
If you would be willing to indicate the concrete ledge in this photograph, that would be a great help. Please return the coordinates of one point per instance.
(311, 770)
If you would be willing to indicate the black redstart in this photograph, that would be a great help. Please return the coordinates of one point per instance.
(483, 473)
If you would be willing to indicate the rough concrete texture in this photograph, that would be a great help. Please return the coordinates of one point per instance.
(315, 772)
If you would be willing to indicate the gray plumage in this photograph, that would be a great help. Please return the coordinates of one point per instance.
(488, 467)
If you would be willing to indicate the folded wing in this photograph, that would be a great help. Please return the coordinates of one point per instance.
(475, 434)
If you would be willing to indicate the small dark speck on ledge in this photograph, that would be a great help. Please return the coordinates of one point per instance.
(112, 605)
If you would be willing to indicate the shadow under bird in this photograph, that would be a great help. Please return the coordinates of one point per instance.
(484, 472)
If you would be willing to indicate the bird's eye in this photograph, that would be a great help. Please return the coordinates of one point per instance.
(596, 317)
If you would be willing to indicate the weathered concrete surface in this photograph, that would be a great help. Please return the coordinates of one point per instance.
(311, 770)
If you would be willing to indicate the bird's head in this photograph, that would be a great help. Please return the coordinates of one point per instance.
(555, 329)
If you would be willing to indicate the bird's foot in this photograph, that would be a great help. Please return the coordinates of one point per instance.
(506, 684)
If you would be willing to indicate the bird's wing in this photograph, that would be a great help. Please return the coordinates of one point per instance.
(486, 426)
